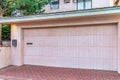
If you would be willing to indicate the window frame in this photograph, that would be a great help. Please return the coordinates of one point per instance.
(51, 5)
(84, 1)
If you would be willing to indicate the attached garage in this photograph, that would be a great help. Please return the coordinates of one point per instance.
(91, 47)
(87, 39)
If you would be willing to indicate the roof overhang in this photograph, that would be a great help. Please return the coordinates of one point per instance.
(61, 15)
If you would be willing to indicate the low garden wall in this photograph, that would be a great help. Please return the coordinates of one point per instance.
(5, 56)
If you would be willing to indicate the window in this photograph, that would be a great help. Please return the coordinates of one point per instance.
(54, 4)
(74, 1)
(84, 4)
(88, 4)
(80, 4)
(66, 1)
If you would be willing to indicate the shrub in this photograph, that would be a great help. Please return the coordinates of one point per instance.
(6, 32)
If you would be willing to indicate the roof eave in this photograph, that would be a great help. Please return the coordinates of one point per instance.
(92, 12)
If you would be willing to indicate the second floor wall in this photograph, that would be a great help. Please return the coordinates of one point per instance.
(69, 5)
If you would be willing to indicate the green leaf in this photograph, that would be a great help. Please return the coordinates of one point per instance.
(28, 7)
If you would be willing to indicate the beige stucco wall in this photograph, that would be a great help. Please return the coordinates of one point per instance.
(62, 7)
(101, 3)
(73, 6)
(5, 56)
(17, 31)
(17, 54)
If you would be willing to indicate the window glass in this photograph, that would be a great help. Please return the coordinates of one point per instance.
(84, 4)
(80, 4)
(88, 4)
(66, 1)
(74, 1)
(54, 4)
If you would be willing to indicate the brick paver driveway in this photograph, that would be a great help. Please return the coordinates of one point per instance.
(51, 73)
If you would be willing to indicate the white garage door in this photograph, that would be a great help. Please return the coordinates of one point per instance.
(91, 47)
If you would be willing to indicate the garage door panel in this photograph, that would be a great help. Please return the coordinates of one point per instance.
(88, 63)
(99, 63)
(94, 52)
(71, 31)
(97, 40)
(92, 47)
(34, 40)
(102, 30)
(60, 61)
(97, 52)
(50, 61)
(35, 50)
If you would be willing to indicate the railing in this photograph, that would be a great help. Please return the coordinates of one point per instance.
(5, 56)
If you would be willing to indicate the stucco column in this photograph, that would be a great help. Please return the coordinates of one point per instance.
(17, 56)
(119, 47)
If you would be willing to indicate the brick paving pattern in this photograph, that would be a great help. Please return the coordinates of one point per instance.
(29, 72)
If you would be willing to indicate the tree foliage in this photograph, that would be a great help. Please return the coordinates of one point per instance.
(28, 7)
